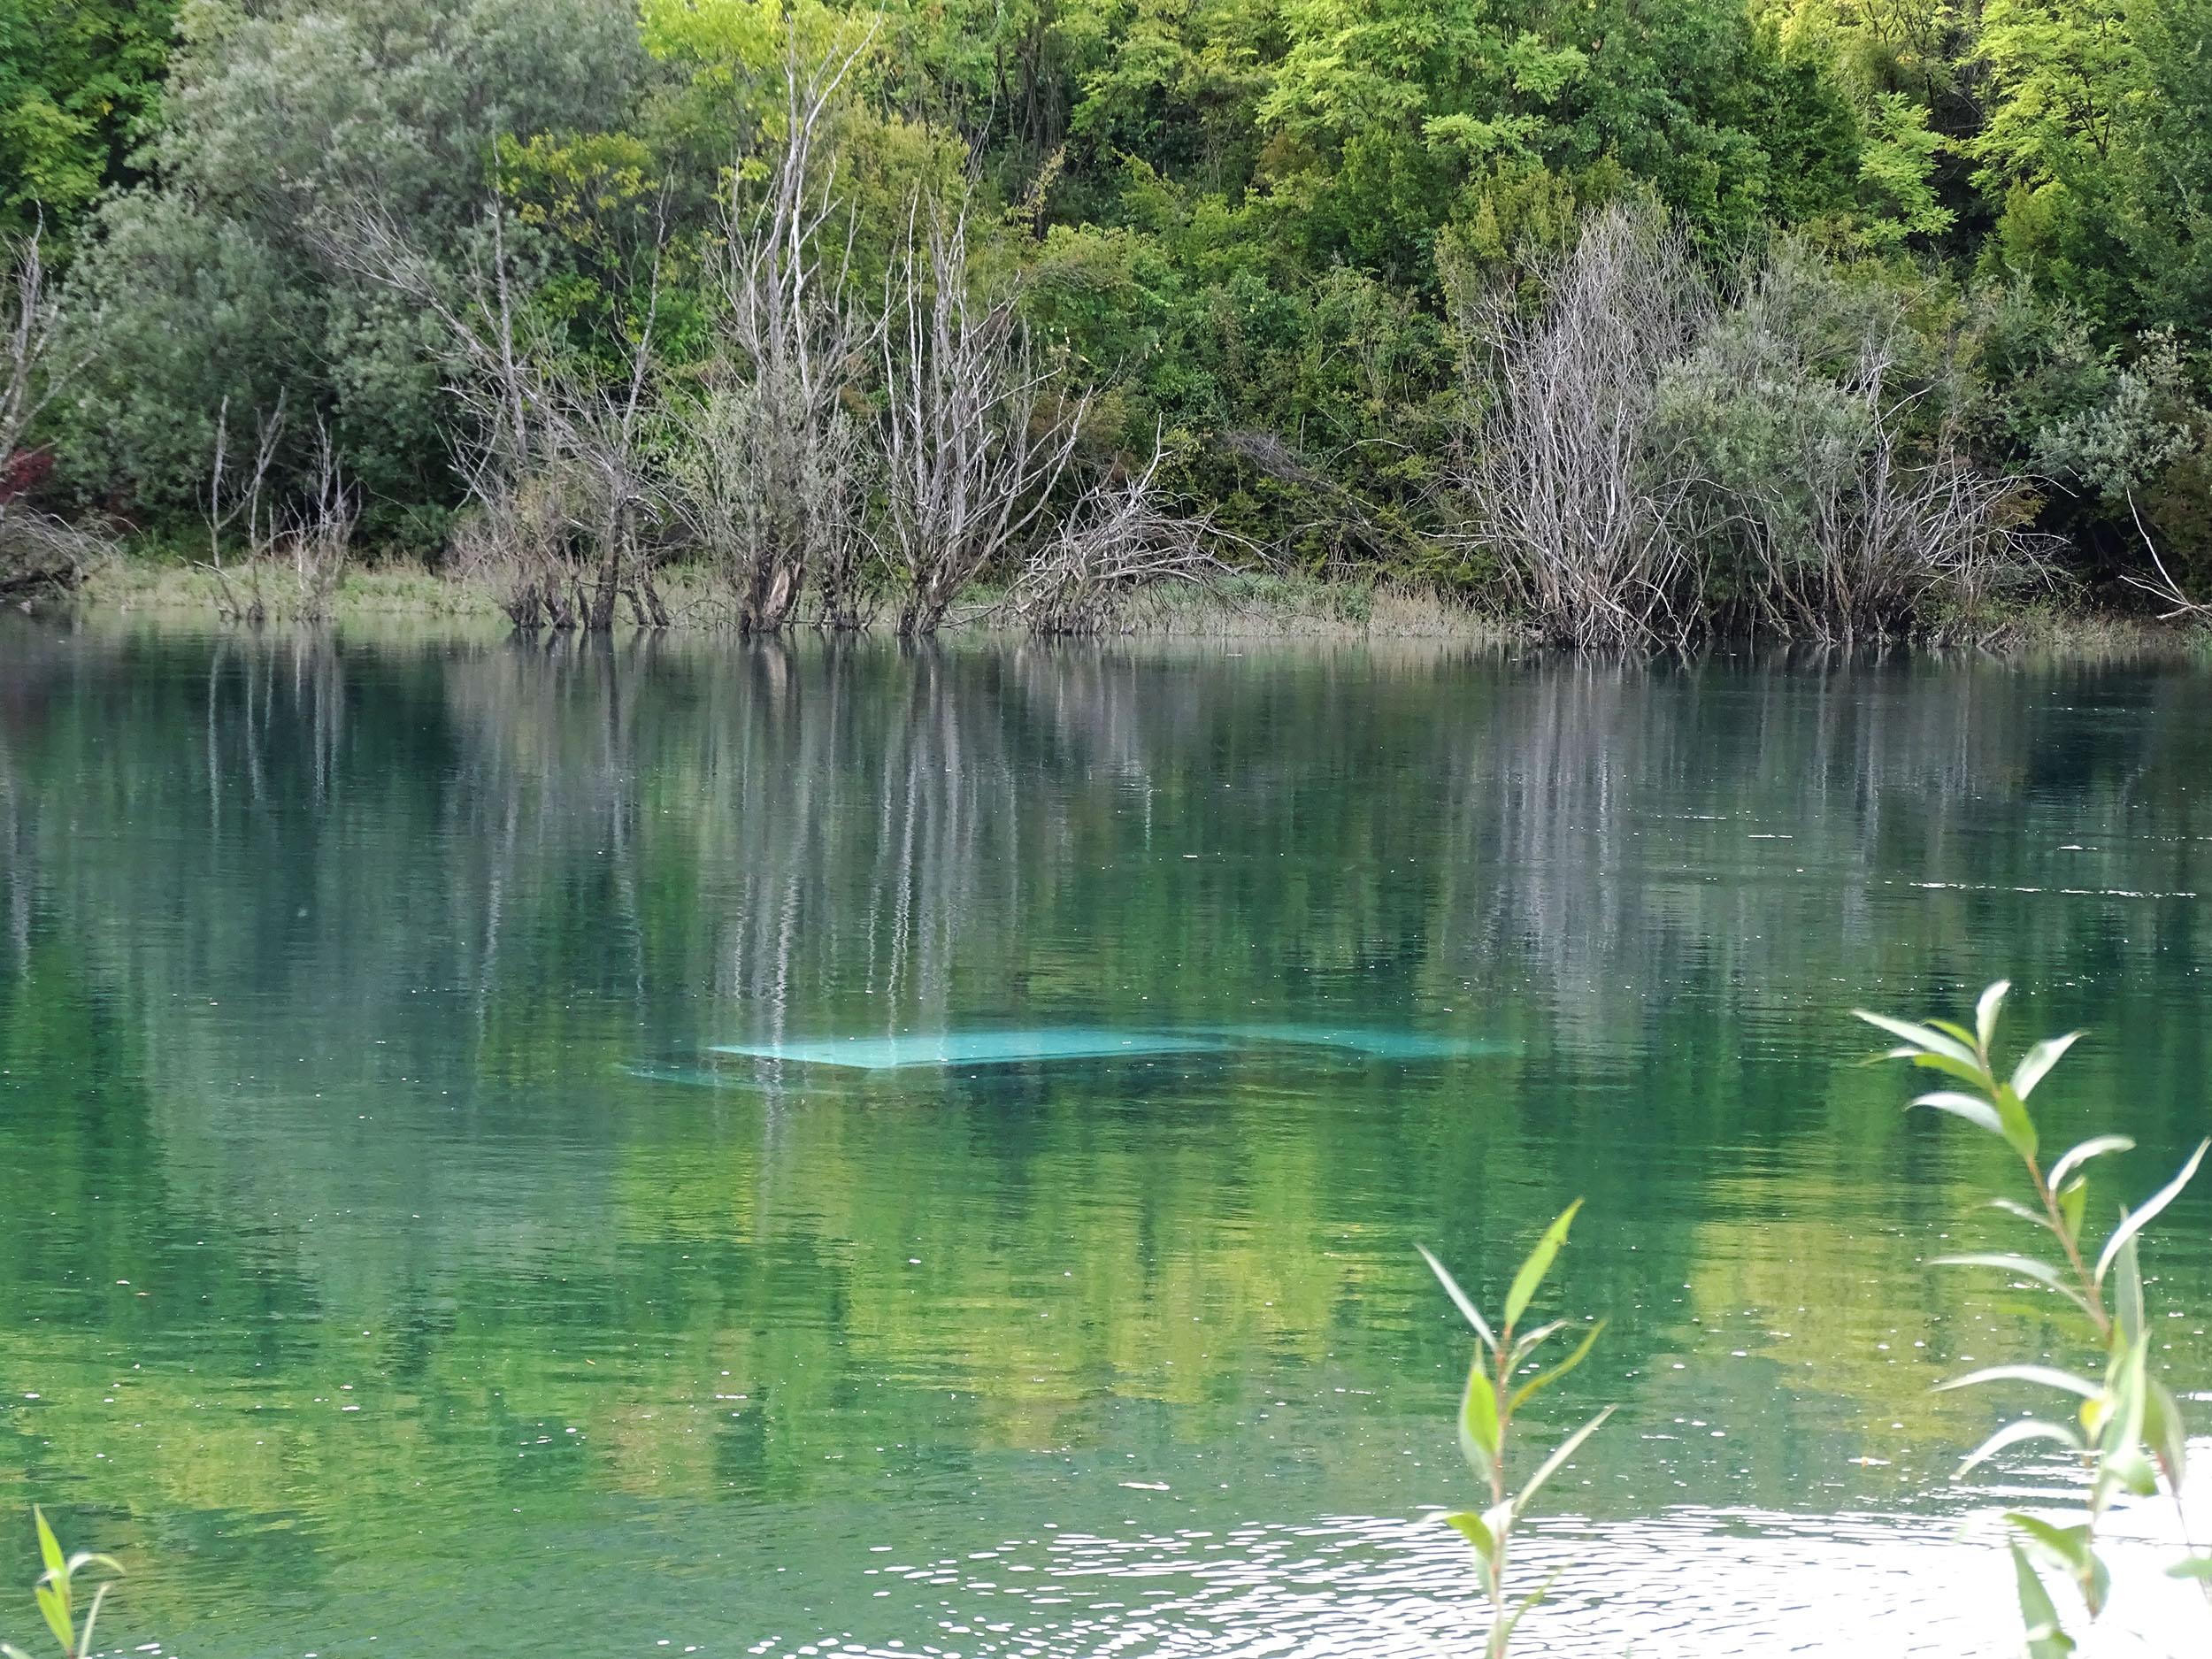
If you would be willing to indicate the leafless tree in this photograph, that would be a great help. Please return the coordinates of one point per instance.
(259, 534)
(31, 321)
(769, 467)
(240, 497)
(1558, 478)
(552, 454)
(37, 550)
(978, 430)
(316, 537)
(1122, 540)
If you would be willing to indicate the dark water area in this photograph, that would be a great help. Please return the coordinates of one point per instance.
(430, 1227)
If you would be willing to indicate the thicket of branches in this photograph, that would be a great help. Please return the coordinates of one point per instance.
(1653, 456)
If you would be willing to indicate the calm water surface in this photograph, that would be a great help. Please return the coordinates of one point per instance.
(391, 1267)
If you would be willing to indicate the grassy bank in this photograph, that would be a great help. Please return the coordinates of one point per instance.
(1252, 605)
(1242, 606)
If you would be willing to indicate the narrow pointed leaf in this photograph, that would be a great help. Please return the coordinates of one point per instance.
(2018, 1128)
(57, 1616)
(2140, 1219)
(2127, 1291)
(2041, 1376)
(2167, 1433)
(2038, 1614)
(2037, 1062)
(1479, 1431)
(1965, 1070)
(1980, 1113)
(1925, 1038)
(48, 1546)
(1473, 1314)
(1529, 1341)
(1470, 1526)
(2068, 1548)
(1544, 1380)
(1560, 1453)
(2014, 1207)
(1539, 1264)
(2194, 1567)
(2073, 1202)
(92, 1618)
(1986, 1011)
(2020, 1266)
(2016, 1434)
(1513, 1619)
(2095, 1147)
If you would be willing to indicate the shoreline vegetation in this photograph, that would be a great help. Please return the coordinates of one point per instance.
(127, 586)
(1839, 322)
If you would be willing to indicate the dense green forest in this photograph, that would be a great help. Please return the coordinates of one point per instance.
(1640, 319)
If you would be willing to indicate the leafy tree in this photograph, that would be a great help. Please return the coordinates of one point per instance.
(282, 131)
(79, 88)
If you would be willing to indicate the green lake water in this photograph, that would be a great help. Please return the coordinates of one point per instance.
(444, 1214)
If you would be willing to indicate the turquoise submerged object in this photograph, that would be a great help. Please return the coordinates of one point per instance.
(974, 1048)
(1087, 1042)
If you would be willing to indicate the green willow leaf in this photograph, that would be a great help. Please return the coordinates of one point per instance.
(2194, 1567)
(2019, 1434)
(92, 1616)
(1965, 1070)
(1480, 1431)
(1470, 1526)
(2014, 1207)
(48, 1546)
(1544, 1380)
(2038, 1614)
(1529, 1341)
(2127, 1293)
(2036, 1064)
(2140, 1219)
(1465, 1304)
(1980, 1113)
(1925, 1038)
(1560, 1453)
(2022, 1266)
(1529, 1601)
(1538, 1264)
(2041, 1376)
(2095, 1147)
(2018, 1128)
(1986, 1010)
(2164, 1428)
(2067, 1549)
(55, 1612)
(2073, 1203)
